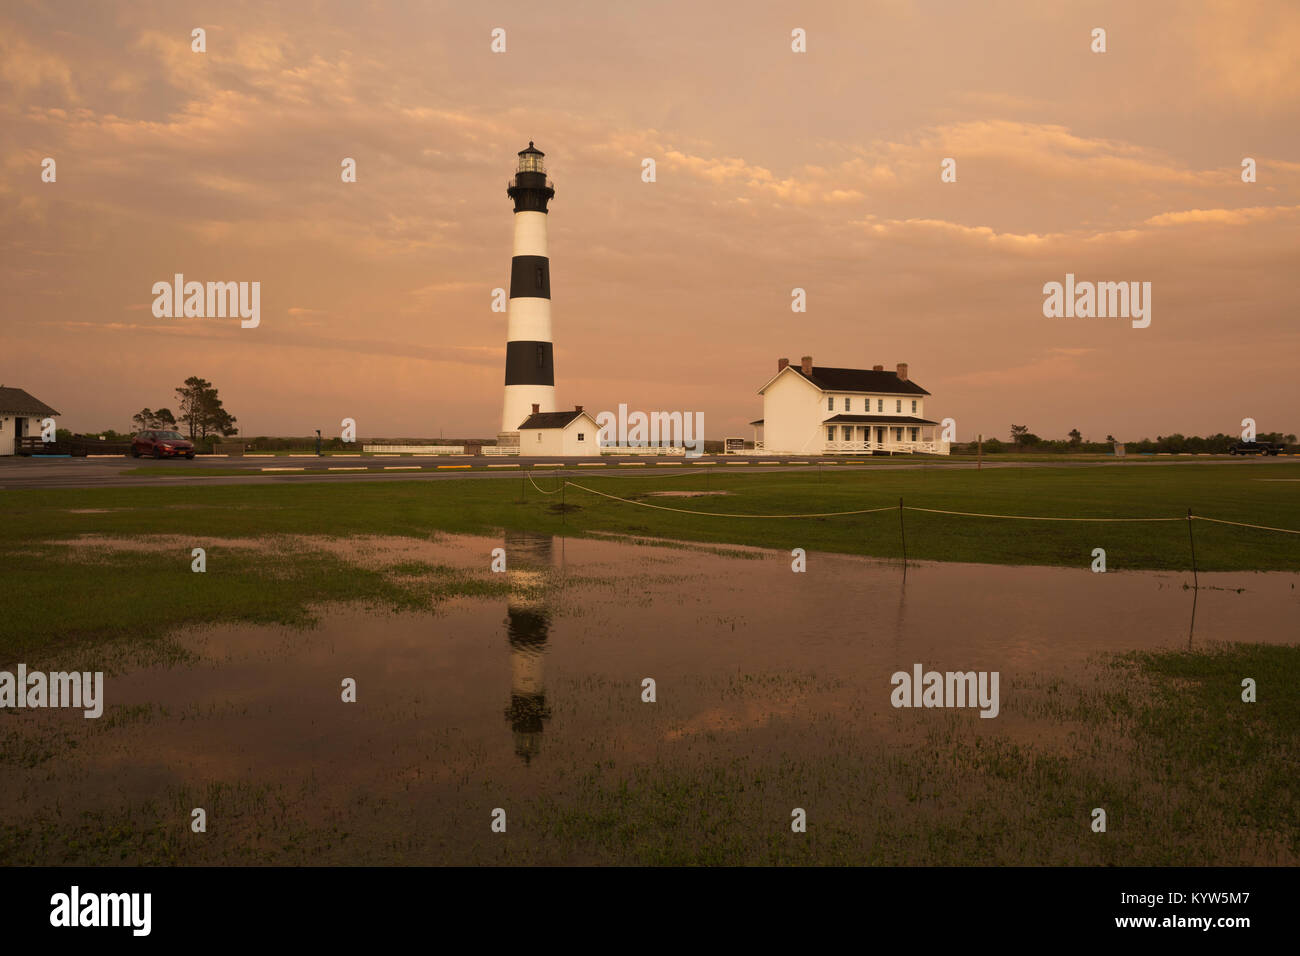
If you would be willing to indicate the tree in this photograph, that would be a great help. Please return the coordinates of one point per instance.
(1017, 433)
(145, 418)
(1111, 438)
(202, 411)
(1076, 437)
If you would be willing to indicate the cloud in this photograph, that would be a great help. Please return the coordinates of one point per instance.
(1226, 217)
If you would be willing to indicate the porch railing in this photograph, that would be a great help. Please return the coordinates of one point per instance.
(905, 447)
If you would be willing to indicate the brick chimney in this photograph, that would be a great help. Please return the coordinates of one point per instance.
(577, 408)
(902, 371)
(782, 363)
(877, 368)
(805, 365)
(537, 409)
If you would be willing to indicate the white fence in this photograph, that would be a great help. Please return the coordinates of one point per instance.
(415, 449)
(500, 451)
(642, 450)
(902, 447)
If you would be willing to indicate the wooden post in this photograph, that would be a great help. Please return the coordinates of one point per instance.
(903, 532)
(979, 463)
(1192, 539)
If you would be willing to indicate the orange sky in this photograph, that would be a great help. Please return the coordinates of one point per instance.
(776, 170)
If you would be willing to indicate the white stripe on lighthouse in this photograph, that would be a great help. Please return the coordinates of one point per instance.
(529, 320)
(519, 405)
(530, 234)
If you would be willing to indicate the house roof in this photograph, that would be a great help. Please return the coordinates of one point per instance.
(876, 420)
(17, 402)
(552, 419)
(759, 422)
(859, 380)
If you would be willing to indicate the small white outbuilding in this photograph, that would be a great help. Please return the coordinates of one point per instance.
(559, 434)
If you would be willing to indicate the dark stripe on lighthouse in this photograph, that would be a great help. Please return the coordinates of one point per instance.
(530, 277)
(529, 363)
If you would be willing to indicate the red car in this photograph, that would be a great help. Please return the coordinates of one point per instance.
(161, 445)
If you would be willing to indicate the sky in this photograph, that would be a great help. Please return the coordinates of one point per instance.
(775, 170)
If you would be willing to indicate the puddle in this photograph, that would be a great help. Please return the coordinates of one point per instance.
(515, 695)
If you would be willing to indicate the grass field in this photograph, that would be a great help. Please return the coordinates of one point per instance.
(102, 600)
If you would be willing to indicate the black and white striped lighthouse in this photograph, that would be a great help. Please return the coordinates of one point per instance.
(530, 369)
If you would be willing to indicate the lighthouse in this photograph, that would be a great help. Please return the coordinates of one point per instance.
(530, 369)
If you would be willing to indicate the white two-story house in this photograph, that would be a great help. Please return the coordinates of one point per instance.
(815, 410)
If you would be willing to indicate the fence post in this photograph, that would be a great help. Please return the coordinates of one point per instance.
(1192, 539)
(563, 484)
(902, 532)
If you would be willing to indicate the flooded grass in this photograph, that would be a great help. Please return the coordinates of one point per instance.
(523, 691)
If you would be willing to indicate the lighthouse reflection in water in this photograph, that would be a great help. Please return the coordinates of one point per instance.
(530, 564)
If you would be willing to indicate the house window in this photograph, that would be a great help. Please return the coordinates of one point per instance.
(830, 403)
(913, 406)
(880, 404)
(579, 436)
(848, 433)
(830, 433)
(898, 405)
(914, 431)
(539, 436)
(848, 403)
(898, 434)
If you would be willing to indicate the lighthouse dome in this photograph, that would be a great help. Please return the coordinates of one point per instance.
(530, 160)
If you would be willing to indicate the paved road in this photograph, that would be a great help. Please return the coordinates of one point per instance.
(17, 473)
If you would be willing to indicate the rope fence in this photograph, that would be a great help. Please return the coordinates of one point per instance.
(1189, 517)
(722, 514)
(902, 507)
(974, 514)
